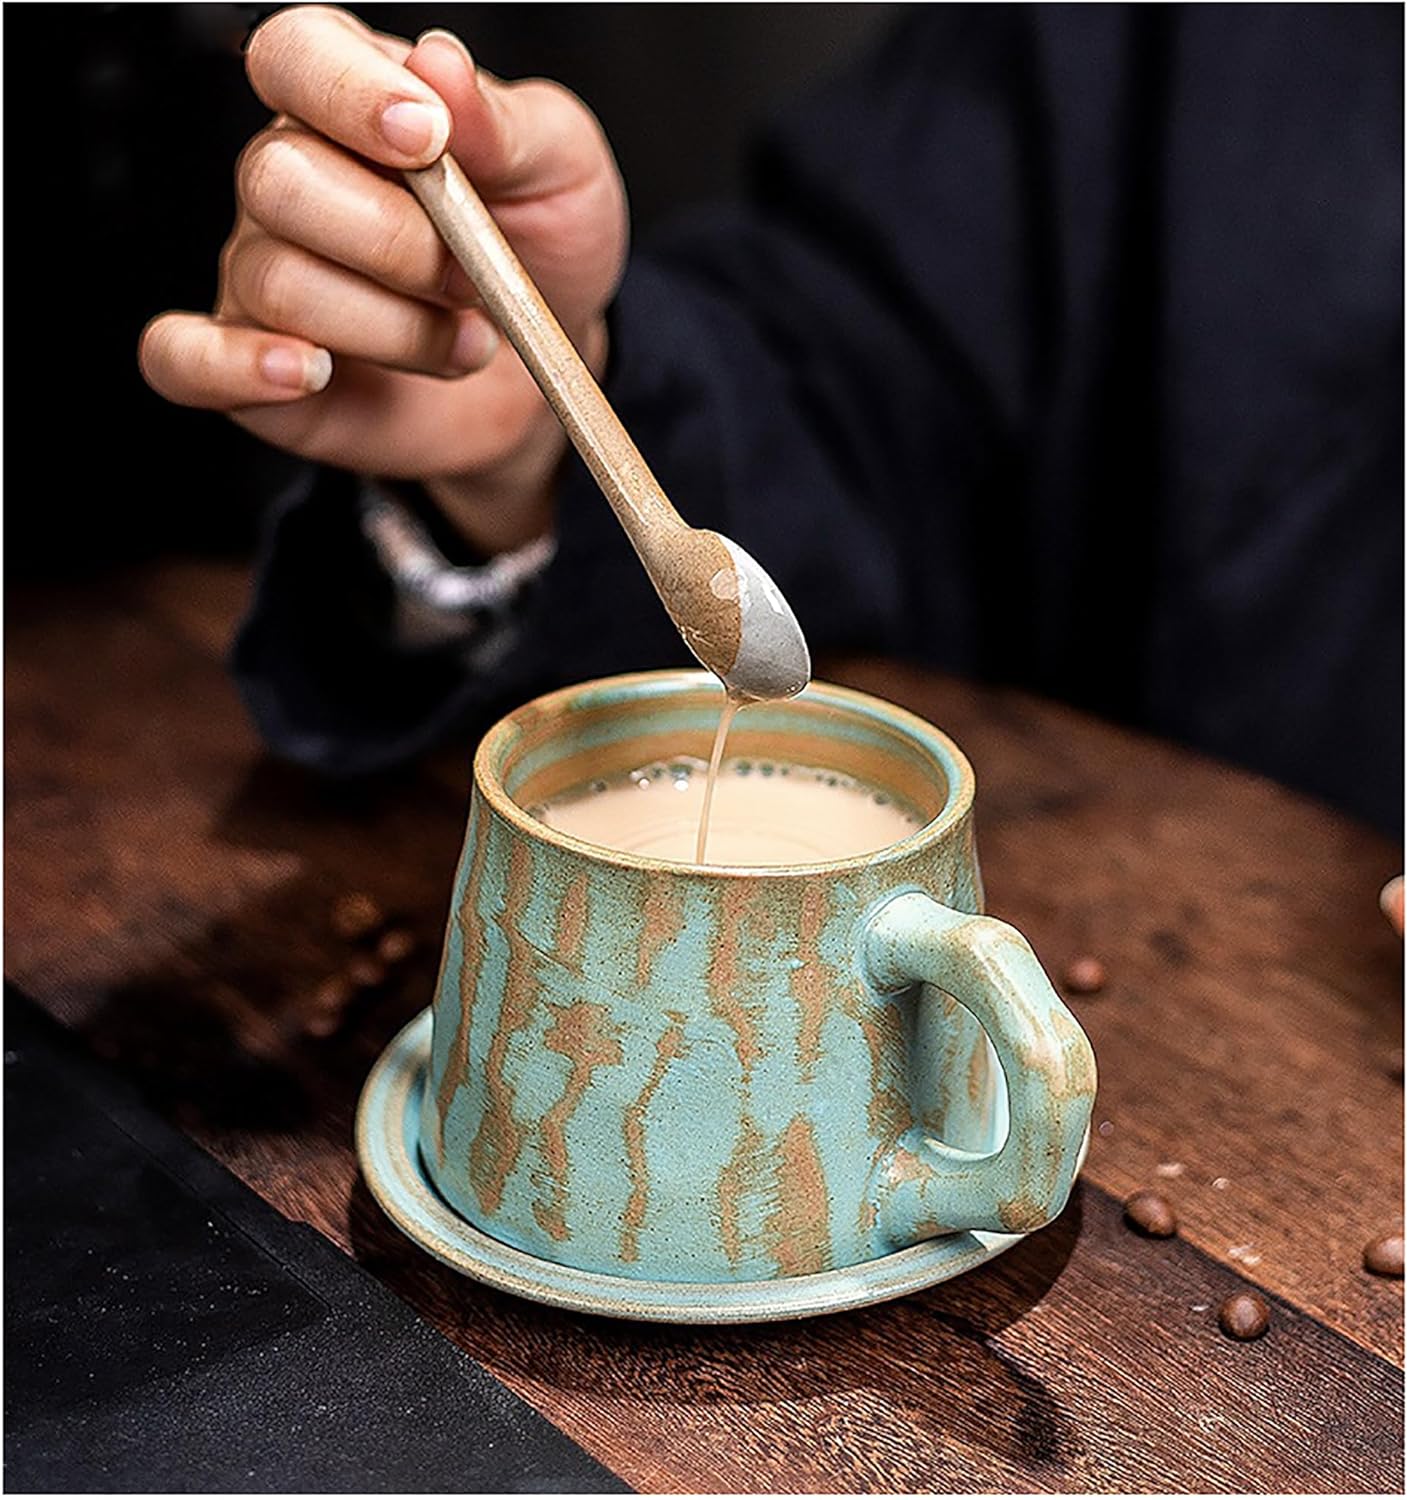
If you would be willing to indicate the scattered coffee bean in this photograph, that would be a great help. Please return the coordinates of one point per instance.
(322, 1023)
(1394, 1065)
(1084, 976)
(258, 1034)
(356, 916)
(1244, 1316)
(1151, 1214)
(396, 945)
(366, 972)
(333, 994)
(1383, 1256)
(328, 1005)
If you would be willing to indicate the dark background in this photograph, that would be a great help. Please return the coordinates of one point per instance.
(144, 109)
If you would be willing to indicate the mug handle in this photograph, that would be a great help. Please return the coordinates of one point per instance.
(926, 1187)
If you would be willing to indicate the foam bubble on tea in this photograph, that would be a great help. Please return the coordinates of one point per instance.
(764, 813)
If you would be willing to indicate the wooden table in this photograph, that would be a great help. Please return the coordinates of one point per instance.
(168, 891)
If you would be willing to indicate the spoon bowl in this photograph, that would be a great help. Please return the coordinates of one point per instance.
(773, 660)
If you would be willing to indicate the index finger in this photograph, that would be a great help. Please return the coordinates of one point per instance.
(325, 68)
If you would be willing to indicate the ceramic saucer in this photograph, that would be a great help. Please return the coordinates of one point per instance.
(388, 1130)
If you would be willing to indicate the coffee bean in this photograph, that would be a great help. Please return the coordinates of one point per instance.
(1244, 1316)
(356, 916)
(1151, 1214)
(366, 972)
(1394, 1065)
(328, 1005)
(333, 994)
(1084, 976)
(1383, 1256)
(396, 945)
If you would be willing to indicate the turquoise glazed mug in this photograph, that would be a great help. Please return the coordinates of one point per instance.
(709, 1074)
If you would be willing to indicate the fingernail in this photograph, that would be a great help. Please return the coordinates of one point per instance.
(475, 344)
(318, 371)
(296, 371)
(439, 34)
(416, 129)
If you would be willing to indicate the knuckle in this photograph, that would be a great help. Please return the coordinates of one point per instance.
(554, 100)
(287, 23)
(226, 266)
(343, 92)
(287, 42)
(560, 114)
(395, 251)
(270, 36)
(251, 170)
(325, 14)
(268, 285)
(268, 179)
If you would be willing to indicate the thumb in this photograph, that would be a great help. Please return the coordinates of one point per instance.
(514, 140)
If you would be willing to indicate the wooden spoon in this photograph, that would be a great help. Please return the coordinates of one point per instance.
(730, 613)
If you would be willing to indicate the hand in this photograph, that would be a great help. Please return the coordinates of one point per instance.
(1390, 899)
(343, 331)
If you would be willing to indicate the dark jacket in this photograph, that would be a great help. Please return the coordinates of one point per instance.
(1060, 347)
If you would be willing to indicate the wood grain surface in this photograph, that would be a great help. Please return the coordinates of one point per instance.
(169, 892)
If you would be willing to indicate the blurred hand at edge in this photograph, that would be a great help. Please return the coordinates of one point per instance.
(1390, 899)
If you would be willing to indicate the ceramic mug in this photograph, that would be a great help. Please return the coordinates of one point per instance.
(704, 1074)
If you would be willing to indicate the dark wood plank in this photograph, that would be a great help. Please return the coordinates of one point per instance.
(1254, 1001)
(1086, 1360)
(151, 835)
(168, 892)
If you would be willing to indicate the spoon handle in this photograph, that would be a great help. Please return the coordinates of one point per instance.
(518, 308)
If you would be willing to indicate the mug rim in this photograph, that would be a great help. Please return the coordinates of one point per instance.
(940, 747)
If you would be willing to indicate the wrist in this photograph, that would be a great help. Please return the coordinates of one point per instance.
(514, 503)
(495, 517)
